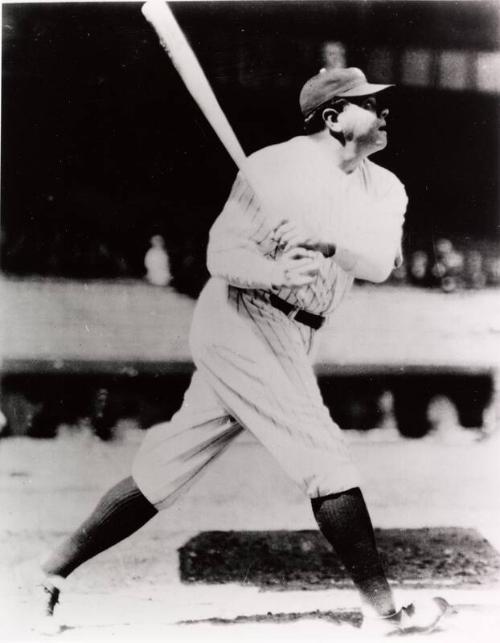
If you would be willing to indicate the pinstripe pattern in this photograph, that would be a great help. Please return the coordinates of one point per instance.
(254, 372)
(244, 224)
(297, 182)
(253, 363)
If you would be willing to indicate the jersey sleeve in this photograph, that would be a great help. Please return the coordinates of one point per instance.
(372, 249)
(240, 241)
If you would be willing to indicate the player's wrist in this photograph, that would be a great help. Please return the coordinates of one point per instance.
(277, 275)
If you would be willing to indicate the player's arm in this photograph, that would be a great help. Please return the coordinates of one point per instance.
(370, 250)
(375, 251)
(238, 242)
(373, 257)
(369, 256)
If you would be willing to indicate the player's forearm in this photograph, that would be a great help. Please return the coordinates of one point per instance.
(372, 270)
(370, 257)
(242, 268)
(371, 262)
(370, 246)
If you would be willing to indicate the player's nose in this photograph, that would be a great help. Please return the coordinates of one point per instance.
(384, 113)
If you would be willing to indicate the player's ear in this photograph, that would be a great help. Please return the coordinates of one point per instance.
(329, 116)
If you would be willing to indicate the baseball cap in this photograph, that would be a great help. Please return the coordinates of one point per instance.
(330, 83)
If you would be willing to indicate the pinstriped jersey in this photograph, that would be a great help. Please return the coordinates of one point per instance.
(361, 212)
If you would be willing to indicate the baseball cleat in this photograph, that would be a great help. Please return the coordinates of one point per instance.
(49, 592)
(416, 618)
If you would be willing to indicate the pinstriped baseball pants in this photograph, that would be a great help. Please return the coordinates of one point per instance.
(254, 372)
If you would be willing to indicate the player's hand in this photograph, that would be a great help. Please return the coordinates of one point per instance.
(295, 268)
(289, 234)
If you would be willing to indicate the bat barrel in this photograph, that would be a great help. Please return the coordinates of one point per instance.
(184, 60)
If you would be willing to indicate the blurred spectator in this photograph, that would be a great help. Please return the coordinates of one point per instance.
(492, 270)
(474, 274)
(333, 54)
(189, 267)
(400, 273)
(102, 418)
(157, 263)
(99, 259)
(446, 272)
(445, 424)
(418, 272)
(3, 425)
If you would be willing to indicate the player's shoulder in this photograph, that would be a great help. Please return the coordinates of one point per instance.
(382, 173)
(386, 187)
(284, 151)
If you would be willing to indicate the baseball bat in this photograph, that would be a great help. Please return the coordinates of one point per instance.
(187, 65)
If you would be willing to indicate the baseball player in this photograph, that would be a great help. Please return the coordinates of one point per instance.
(315, 215)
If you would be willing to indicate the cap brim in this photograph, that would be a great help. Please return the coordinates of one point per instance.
(365, 89)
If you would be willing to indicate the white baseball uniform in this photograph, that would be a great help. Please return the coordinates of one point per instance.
(253, 363)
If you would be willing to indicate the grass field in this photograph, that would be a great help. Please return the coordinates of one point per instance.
(446, 483)
(60, 322)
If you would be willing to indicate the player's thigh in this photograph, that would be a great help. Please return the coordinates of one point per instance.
(285, 411)
(174, 453)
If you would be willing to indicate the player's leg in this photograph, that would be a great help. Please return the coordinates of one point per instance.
(271, 389)
(119, 513)
(312, 452)
(324, 471)
(283, 408)
(344, 520)
(171, 457)
(175, 453)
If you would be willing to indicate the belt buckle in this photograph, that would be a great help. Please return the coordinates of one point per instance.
(294, 312)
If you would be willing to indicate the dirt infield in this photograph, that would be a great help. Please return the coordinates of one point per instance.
(135, 591)
(426, 557)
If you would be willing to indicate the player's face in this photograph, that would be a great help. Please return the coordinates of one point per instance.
(363, 120)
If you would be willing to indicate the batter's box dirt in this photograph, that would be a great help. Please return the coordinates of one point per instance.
(339, 617)
(428, 557)
(461, 622)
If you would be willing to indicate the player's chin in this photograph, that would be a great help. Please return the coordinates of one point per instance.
(381, 140)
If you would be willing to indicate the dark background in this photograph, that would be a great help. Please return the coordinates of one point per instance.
(103, 146)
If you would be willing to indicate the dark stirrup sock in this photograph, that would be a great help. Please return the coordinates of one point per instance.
(344, 521)
(120, 512)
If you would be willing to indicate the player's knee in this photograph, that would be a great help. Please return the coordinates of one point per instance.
(145, 465)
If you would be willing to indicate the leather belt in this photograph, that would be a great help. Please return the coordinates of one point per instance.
(292, 312)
